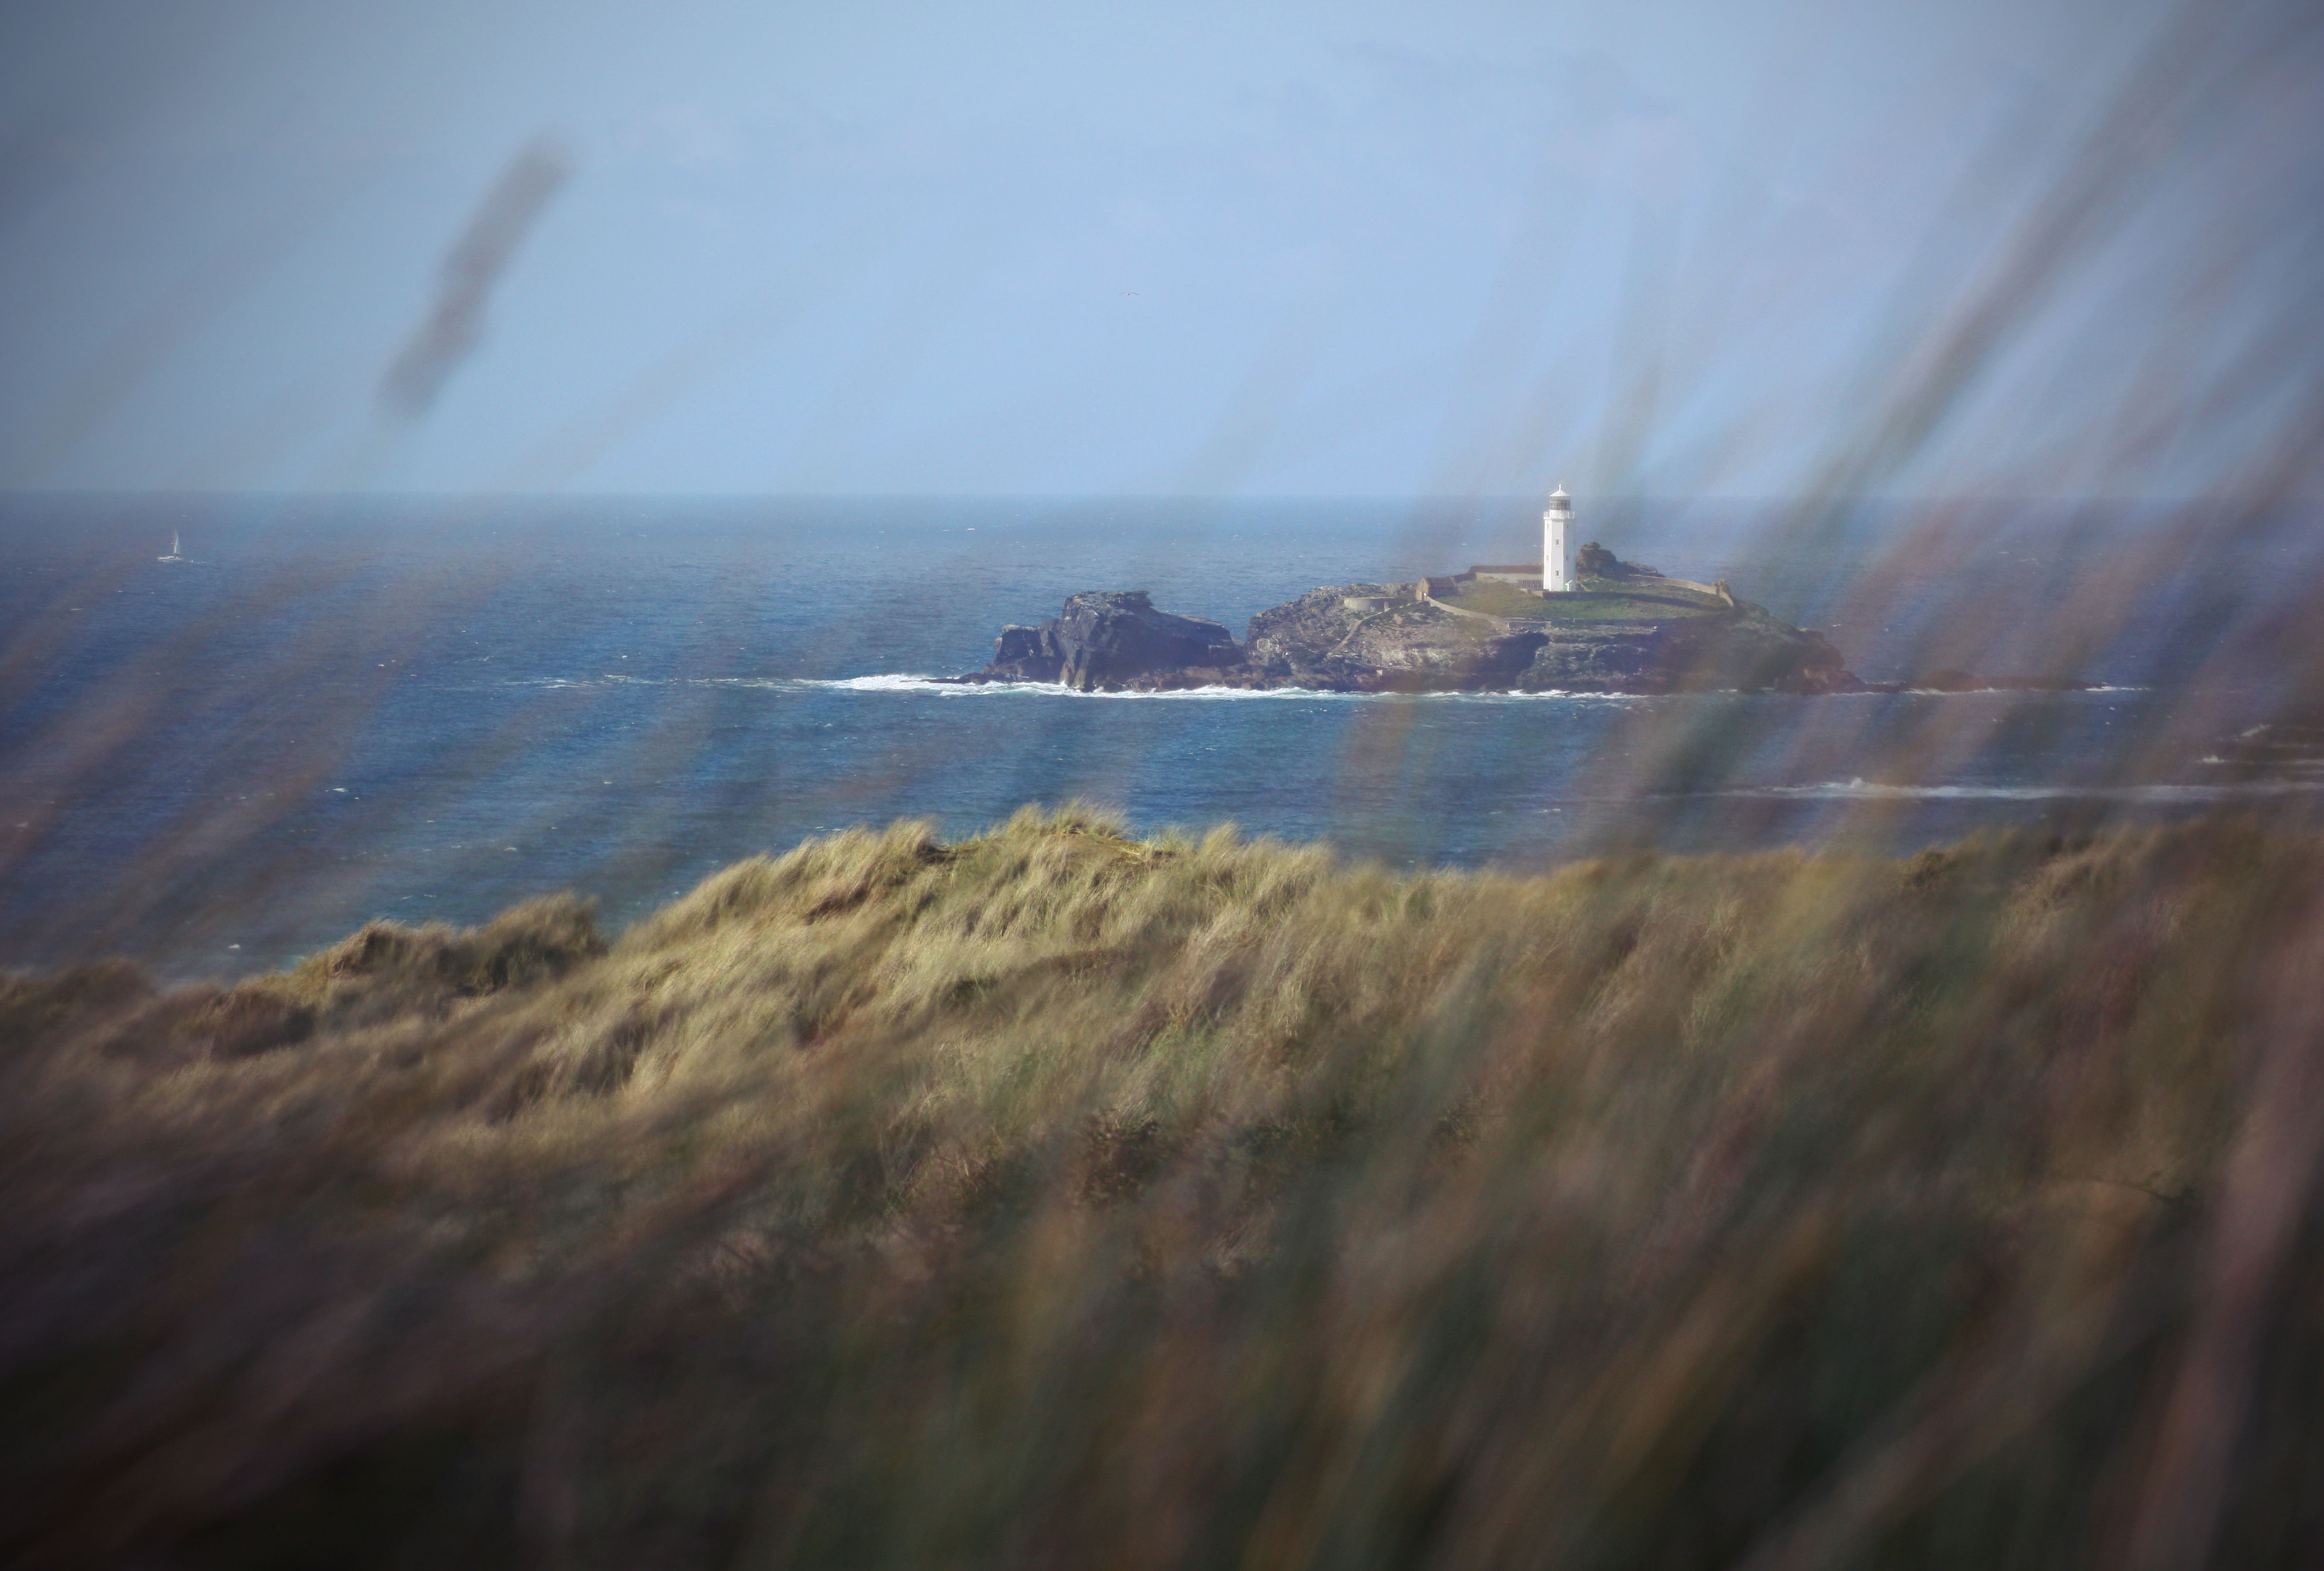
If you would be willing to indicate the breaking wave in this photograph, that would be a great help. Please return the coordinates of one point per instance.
(918, 684)
(929, 685)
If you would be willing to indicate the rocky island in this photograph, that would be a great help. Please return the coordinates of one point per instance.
(1619, 627)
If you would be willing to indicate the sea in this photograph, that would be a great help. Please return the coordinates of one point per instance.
(318, 710)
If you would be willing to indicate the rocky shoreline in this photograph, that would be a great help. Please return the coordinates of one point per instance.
(1331, 640)
(1628, 629)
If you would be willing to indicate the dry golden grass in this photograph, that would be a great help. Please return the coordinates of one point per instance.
(1060, 1198)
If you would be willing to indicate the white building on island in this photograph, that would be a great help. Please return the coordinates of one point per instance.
(1556, 530)
(1553, 575)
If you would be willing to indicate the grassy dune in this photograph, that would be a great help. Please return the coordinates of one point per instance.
(1059, 1198)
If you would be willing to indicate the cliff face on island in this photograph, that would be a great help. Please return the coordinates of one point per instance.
(1423, 645)
(1114, 638)
(1369, 637)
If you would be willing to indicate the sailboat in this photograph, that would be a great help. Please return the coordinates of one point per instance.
(173, 555)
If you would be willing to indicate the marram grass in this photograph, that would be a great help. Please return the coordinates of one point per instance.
(1061, 1199)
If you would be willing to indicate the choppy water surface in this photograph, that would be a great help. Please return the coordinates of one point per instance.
(430, 709)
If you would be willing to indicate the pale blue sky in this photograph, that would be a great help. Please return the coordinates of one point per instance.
(1193, 248)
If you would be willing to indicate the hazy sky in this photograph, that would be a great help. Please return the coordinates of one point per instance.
(1367, 248)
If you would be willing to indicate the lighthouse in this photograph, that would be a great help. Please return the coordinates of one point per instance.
(1556, 527)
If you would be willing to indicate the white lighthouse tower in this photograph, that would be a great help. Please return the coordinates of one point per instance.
(1556, 528)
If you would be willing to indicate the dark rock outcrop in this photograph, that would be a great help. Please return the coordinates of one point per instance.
(1419, 647)
(1023, 654)
(1291, 645)
(1112, 640)
(1741, 650)
(1594, 561)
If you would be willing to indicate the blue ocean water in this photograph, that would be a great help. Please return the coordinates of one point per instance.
(429, 708)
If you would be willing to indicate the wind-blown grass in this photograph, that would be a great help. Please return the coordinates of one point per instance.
(1057, 1197)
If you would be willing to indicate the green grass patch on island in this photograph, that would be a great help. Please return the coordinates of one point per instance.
(1583, 605)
